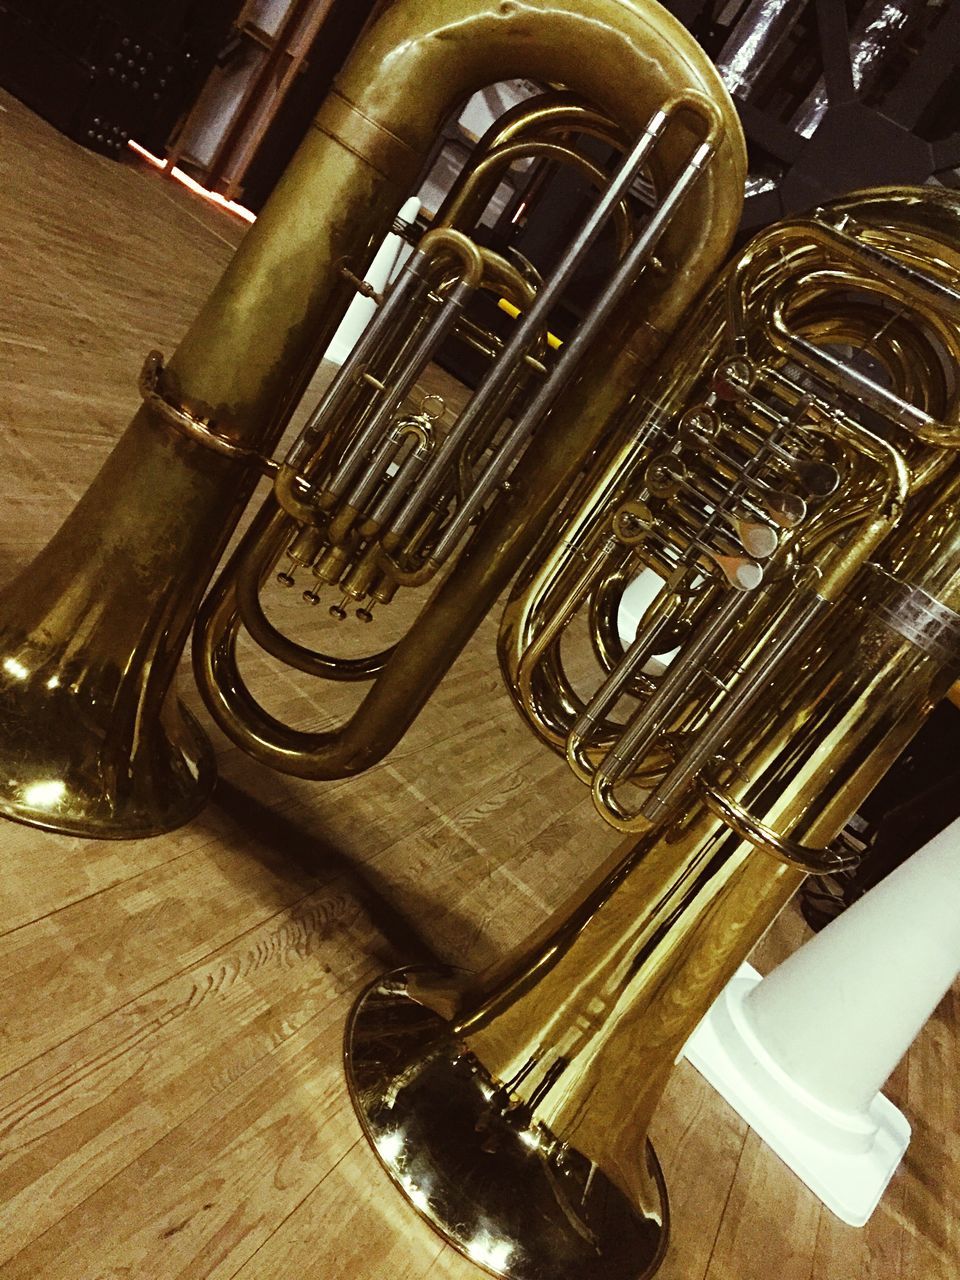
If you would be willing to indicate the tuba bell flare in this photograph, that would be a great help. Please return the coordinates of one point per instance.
(512, 1109)
(95, 741)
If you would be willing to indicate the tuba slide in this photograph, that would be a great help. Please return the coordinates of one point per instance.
(375, 495)
(789, 504)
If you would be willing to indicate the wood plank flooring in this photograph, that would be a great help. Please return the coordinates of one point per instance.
(171, 1010)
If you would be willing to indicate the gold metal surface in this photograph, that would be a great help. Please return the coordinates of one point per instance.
(532, 1209)
(534, 1084)
(367, 139)
(95, 742)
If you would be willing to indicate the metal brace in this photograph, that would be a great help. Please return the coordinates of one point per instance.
(181, 419)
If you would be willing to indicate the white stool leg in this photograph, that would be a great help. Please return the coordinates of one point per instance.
(802, 1054)
(389, 258)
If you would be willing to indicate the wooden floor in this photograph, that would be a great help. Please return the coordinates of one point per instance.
(171, 1010)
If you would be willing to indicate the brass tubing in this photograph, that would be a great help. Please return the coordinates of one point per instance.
(561, 614)
(826, 281)
(614, 477)
(796, 628)
(535, 1083)
(400, 486)
(570, 1040)
(554, 112)
(736, 817)
(255, 558)
(506, 154)
(365, 462)
(911, 287)
(673, 687)
(836, 572)
(640, 734)
(420, 660)
(370, 140)
(536, 605)
(918, 284)
(844, 375)
(534, 320)
(573, 352)
(607, 695)
(278, 749)
(428, 344)
(412, 280)
(530, 607)
(604, 607)
(375, 468)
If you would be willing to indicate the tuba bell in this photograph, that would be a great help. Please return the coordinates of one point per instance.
(793, 488)
(373, 497)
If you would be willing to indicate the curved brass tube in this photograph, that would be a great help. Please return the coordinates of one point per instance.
(506, 154)
(924, 294)
(537, 1081)
(794, 690)
(558, 112)
(836, 568)
(372, 136)
(792, 854)
(98, 621)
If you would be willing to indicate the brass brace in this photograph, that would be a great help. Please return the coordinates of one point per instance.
(363, 287)
(814, 861)
(199, 431)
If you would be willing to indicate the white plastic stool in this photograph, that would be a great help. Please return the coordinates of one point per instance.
(802, 1054)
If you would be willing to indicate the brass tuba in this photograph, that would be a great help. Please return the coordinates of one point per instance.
(95, 741)
(734, 469)
(813, 395)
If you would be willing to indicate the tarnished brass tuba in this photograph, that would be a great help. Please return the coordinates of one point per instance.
(793, 486)
(372, 497)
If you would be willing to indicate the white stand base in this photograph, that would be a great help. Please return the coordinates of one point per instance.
(846, 1159)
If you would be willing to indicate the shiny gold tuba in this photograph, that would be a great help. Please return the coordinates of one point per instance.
(792, 486)
(373, 496)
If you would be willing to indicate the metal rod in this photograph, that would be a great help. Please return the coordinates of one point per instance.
(400, 484)
(609, 692)
(746, 691)
(534, 320)
(573, 353)
(676, 683)
(847, 377)
(640, 735)
(412, 278)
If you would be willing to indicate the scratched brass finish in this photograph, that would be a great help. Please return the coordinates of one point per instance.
(91, 632)
(91, 744)
(545, 1071)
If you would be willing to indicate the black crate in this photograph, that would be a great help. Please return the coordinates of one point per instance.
(104, 72)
